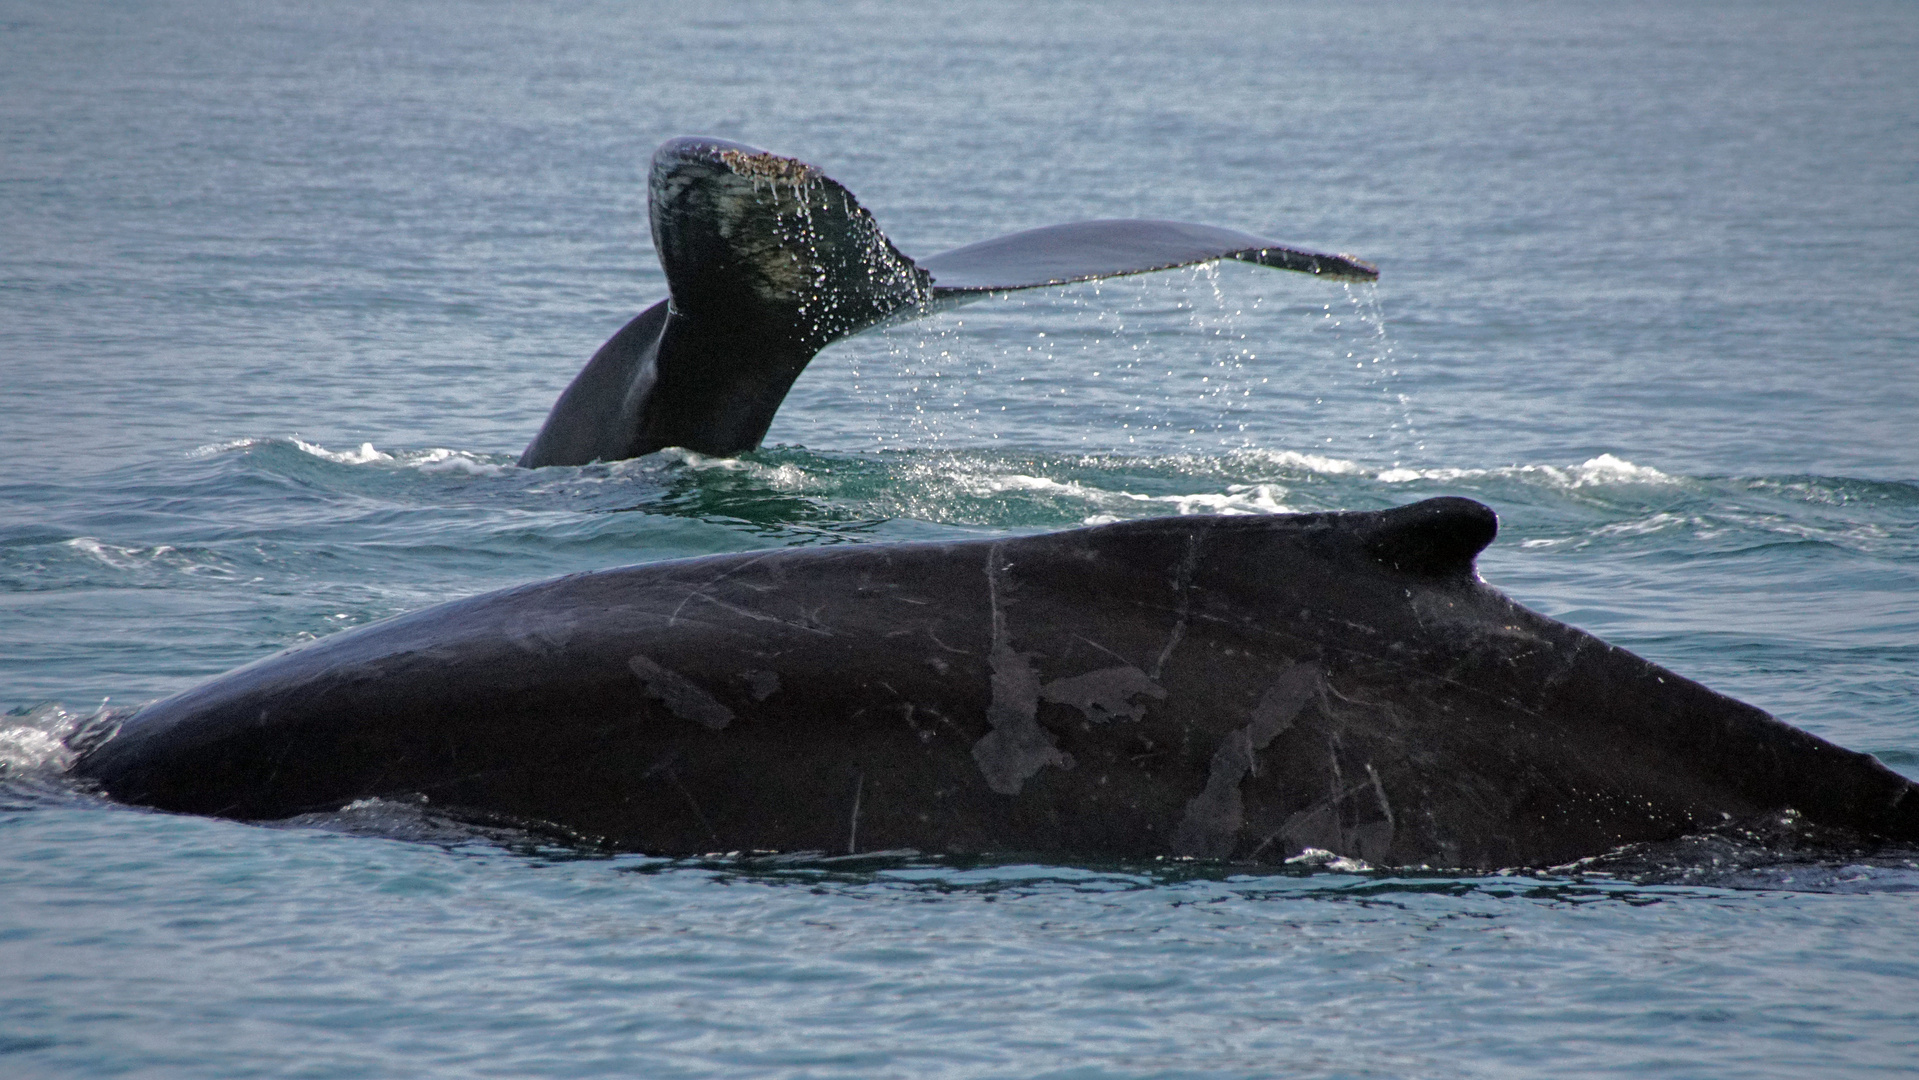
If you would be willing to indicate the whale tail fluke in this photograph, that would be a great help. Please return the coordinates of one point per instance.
(1089, 250)
(738, 228)
(751, 237)
(768, 260)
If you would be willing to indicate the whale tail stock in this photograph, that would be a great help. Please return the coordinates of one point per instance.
(768, 261)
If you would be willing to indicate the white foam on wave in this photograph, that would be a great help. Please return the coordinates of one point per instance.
(1236, 499)
(364, 455)
(1603, 470)
(1607, 469)
(1729, 526)
(1662, 521)
(1653, 523)
(211, 449)
(993, 485)
(120, 558)
(135, 559)
(1862, 536)
(1298, 462)
(693, 459)
(36, 742)
(440, 460)
(784, 477)
(437, 460)
(1241, 460)
(1321, 859)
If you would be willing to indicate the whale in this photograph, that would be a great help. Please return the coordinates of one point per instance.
(1248, 688)
(768, 261)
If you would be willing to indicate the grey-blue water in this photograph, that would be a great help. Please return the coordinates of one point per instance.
(284, 289)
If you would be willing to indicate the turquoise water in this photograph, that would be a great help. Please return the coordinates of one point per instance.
(285, 289)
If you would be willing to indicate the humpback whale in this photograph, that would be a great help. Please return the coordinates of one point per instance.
(768, 261)
(1242, 688)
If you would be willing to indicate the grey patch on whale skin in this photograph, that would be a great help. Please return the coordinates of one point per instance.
(761, 684)
(1210, 827)
(541, 631)
(1018, 746)
(1105, 695)
(681, 696)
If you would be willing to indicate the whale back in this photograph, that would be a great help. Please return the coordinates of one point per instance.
(1223, 687)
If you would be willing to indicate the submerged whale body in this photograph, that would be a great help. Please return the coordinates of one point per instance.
(1228, 687)
(768, 261)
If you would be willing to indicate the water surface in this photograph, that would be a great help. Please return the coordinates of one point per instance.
(284, 289)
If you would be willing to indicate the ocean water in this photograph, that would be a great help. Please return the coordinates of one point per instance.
(285, 288)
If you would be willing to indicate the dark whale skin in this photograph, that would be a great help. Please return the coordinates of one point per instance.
(1223, 687)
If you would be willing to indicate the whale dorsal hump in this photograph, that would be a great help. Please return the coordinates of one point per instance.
(1434, 538)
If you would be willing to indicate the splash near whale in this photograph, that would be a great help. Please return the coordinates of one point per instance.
(768, 261)
(1242, 688)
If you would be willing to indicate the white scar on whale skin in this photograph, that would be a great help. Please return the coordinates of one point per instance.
(1018, 746)
(1183, 590)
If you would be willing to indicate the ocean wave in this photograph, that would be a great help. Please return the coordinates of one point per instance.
(438, 459)
(441, 461)
(1295, 461)
(1603, 500)
(213, 449)
(365, 455)
(794, 468)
